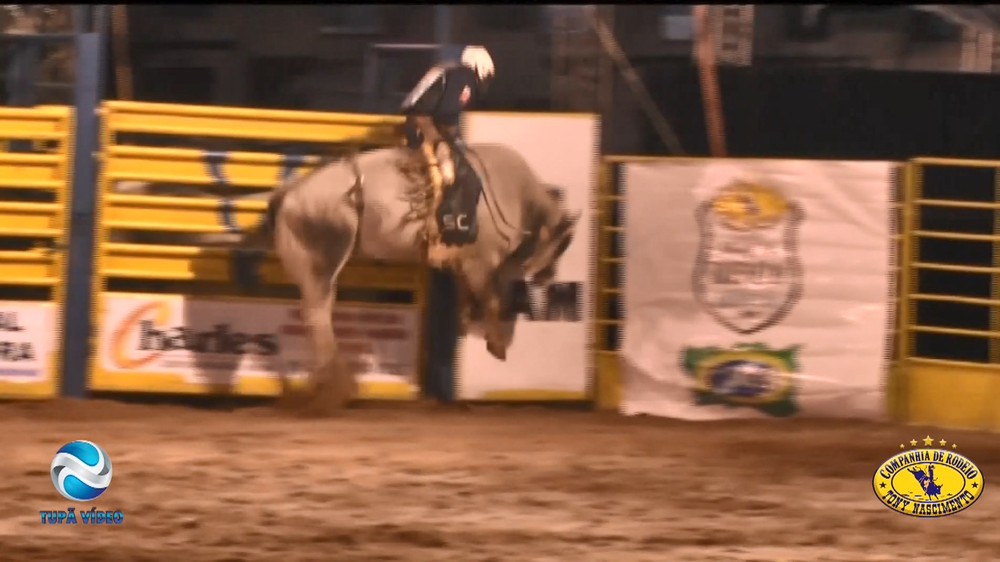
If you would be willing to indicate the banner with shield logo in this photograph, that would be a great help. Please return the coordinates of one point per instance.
(757, 288)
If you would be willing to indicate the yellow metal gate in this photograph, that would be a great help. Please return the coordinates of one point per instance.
(948, 369)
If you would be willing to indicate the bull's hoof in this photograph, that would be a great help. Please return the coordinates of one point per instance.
(497, 351)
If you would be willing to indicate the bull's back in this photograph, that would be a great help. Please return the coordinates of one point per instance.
(388, 228)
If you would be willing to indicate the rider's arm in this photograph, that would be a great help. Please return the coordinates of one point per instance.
(426, 95)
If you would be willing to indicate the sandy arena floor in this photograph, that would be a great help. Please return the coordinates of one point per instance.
(474, 485)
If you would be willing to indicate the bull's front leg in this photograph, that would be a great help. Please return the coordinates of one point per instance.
(483, 292)
(466, 305)
(495, 343)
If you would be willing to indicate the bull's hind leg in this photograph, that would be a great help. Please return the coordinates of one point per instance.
(317, 313)
(331, 384)
(315, 265)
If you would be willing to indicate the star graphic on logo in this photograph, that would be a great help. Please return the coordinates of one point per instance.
(881, 485)
(975, 484)
(913, 442)
(943, 442)
(901, 446)
(928, 440)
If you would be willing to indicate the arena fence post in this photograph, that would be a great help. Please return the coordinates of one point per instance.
(77, 311)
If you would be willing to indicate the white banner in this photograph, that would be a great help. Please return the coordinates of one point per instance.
(757, 288)
(549, 358)
(214, 341)
(27, 340)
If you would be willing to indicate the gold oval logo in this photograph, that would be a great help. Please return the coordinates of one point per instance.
(928, 482)
(744, 206)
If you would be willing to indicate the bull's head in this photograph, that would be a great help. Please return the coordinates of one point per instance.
(540, 266)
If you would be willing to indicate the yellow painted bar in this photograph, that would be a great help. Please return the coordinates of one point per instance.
(254, 124)
(150, 153)
(955, 268)
(959, 300)
(159, 165)
(30, 219)
(534, 395)
(955, 331)
(961, 236)
(39, 123)
(32, 268)
(33, 171)
(172, 384)
(191, 263)
(958, 204)
(954, 162)
(178, 214)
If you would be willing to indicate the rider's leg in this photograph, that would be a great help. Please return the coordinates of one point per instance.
(446, 163)
(431, 139)
(436, 252)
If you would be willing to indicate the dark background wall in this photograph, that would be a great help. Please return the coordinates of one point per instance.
(847, 89)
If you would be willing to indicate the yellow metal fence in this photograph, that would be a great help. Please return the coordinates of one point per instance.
(34, 199)
(948, 344)
(151, 143)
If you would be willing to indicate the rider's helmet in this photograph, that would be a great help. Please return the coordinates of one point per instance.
(479, 60)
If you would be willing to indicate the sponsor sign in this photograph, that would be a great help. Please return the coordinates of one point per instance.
(549, 357)
(757, 288)
(208, 341)
(27, 340)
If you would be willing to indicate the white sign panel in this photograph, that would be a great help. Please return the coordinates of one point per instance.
(214, 341)
(27, 340)
(757, 288)
(549, 356)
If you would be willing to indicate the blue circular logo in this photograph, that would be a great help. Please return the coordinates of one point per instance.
(81, 471)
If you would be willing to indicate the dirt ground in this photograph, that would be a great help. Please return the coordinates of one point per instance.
(474, 484)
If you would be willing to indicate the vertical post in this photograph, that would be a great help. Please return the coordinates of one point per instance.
(706, 42)
(441, 320)
(442, 29)
(994, 342)
(908, 284)
(77, 311)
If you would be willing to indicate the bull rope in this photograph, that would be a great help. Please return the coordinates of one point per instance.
(487, 195)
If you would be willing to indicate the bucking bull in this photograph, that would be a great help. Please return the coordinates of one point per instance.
(373, 204)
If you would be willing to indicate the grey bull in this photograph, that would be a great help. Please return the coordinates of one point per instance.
(373, 205)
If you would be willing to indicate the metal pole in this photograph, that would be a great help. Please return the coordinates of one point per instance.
(78, 308)
(442, 302)
(442, 29)
(708, 73)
